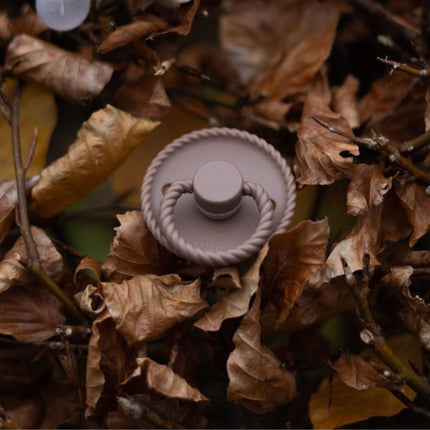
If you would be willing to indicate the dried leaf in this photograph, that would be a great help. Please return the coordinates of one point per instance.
(57, 70)
(377, 225)
(38, 110)
(226, 278)
(293, 258)
(257, 380)
(349, 405)
(416, 204)
(144, 26)
(90, 301)
(13, 273)
(235, 303)
(104, 141)
(8, 201)
(366, 188)
(146, 306)
(134, 250)
(28, 22)
(87, 272)
(30, 313)
(318, 159)
(345, 101)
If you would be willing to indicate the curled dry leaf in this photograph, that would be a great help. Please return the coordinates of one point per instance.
(146, 306)
(144, 26)
(104, 141)
(30, 313)
(90, 301)
(348, 405)
(235, 303)
(57, 70)
(416, 204)
(366, 188)
(257, 380)
(87, 272)
(134, 250)
(345, 101)
(318, 159)
(293, 258)
(381, 223)
(13, 273)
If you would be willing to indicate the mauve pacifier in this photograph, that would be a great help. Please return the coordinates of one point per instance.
(215, 196)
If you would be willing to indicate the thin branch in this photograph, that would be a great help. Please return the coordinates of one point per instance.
(410, 404)
(372, 334)
(421, 73)
(381, 144)
(33, 263)
(413, 145)
(30, 154)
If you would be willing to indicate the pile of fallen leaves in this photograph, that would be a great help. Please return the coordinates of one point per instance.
(328, 325)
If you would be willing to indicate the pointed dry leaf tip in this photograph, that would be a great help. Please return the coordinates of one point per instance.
(104, 141)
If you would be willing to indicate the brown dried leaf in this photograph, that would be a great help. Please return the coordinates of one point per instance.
(366, 188)
(416, 204)
(57, 70)
(104, 141)
(345, 101)
(13, 273)
(318, 159)
(235, 303)
(29, 313)
(134, 250)
(377, 225)
(146, 306)
(90, 301)
(8, 201)
(144, 26)
(293, 258)
(348, 405)
(257, 380)
(87, 272)
(28, 22)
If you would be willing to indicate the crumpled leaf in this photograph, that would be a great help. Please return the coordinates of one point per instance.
(87, 272)
(146, 306)
(28, 22)
(29, 313)
(257, 380)
(377, 225)
(104, 141)
(366, 188)
(134, 250)
(109, 362)
(416, 204)
(57, 70)
(90, 301)
(345, 101)
(8, 201)
(293, 258)
(349, 405)
(318, 159)
(412, 308)
(234, 303)
(13, 273)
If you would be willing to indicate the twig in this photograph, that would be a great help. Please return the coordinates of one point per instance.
(410, 404)
(421, 73)
(30, 154)
(381, 144)
(372, 334)
(415, 144)
(33, 263)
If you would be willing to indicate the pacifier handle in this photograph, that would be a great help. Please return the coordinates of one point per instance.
(175, 242)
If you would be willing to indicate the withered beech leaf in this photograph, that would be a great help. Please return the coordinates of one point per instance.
(386, 221)
(87, 272)
(412, 308)
(345, 101)
(416, 204)
(57, 70)
(8, 200)
(359, 373)
(13, 273)
(338, 405)
(318, 159)
(134, 250)
(144, 25)
(103, 142)
(146, 306)
(257, 380)
(366, 188)
(29, 313)
(293, 258)
(90, 301)
(28, 22)
(235, 303)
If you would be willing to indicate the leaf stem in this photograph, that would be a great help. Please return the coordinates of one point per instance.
(372, 334)
(33, 263)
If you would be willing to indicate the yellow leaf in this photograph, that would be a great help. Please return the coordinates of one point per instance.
(38, 109)
(103, 142)
(348, 405)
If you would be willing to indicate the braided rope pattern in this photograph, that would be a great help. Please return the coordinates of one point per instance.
(176, 242)
(290, 185)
